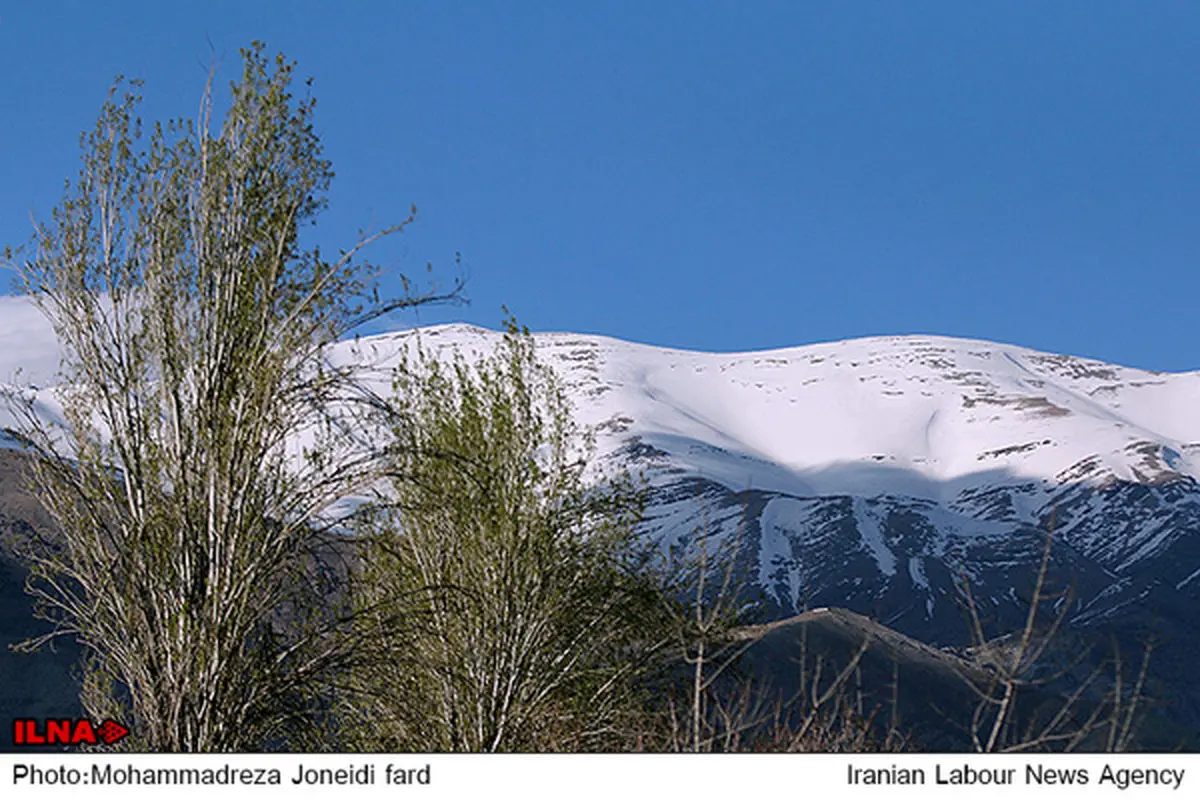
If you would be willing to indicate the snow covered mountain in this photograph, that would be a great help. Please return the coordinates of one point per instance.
(882, 474)
(885, 474)
(896, 455)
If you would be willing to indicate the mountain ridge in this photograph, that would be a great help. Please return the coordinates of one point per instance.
(878, 474)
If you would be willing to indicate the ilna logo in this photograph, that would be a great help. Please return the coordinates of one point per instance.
(67, 731)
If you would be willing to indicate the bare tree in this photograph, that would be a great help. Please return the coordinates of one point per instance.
(706, 604)
(189, 471)
(1021, 703)
(717, 705)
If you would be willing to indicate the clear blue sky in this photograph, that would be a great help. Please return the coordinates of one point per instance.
(719, 176)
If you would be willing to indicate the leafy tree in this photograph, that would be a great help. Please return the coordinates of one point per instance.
(530, 597)
(189, 526)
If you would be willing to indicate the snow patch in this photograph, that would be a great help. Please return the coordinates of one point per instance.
(871, 531)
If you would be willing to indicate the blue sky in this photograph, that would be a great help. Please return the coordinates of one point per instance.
(719, 176)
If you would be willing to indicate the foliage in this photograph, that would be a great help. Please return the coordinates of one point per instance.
(532, 590)
(187, 546)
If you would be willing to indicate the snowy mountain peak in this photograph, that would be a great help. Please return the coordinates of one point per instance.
(872, 473)
(891, 461)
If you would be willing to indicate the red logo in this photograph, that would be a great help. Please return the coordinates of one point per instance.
(67, 731)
